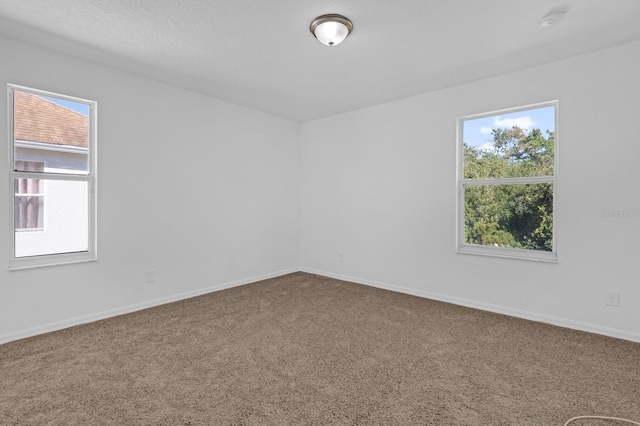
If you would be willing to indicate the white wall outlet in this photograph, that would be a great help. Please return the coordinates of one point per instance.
(341, 257)
(612, 298)
(149, 276)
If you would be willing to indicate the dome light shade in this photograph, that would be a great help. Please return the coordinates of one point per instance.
(331, 29)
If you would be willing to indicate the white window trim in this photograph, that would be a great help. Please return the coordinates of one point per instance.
(16, 263)
(525, 254)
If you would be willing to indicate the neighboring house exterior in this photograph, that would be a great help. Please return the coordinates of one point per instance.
(50, 216)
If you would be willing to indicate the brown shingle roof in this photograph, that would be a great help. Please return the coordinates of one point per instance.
(39, 120)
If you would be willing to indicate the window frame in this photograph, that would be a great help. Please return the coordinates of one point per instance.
(90, 178)
(461, 183)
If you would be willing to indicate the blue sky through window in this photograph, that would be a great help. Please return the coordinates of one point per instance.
(477, 132)
(75, 106)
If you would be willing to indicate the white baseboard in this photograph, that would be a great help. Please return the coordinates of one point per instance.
(59, 325)
(560, 322)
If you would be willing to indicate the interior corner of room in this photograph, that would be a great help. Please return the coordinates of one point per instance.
(219, 194)
(322, 148)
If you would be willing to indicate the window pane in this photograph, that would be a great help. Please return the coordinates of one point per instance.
(516, 216)
(29, 203)
(51, 131)
(64, 225)
(518, 144)
(29, 212)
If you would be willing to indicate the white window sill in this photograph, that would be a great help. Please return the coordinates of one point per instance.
(50, 260)
(522, 254)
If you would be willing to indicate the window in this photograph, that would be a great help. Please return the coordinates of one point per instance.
(53, 176)
(507, 181)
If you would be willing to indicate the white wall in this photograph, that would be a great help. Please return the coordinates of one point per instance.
(379, 186)
(204, 192)
(210, 194)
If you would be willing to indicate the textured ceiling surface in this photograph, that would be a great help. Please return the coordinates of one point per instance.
(260, 53)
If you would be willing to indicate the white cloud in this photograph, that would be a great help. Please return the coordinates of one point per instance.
(487, 146)
(486, 130)
(523, 122)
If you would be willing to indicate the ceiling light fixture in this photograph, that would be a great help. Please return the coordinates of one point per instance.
(552, 19)
(331, 29)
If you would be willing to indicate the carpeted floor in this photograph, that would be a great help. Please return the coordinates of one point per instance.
(304, 349)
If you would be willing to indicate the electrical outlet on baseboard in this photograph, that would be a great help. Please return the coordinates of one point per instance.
(149, 276)
(612, 297)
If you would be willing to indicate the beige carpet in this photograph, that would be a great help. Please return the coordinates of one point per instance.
(303, 349)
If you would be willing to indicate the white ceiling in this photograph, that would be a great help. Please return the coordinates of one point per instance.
(260, 53)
